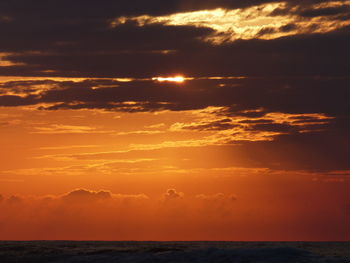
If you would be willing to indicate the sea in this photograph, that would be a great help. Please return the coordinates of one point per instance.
(196, 251)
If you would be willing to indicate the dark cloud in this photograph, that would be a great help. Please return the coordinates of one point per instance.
(218, 125)
(329, 11)
(288, 27)
(125, 40)
(315, 151)
(10, 100)
(86, 196)
(301, 55)
(258, 121)
(67, 12)
(172, 194)
(251, 97)
(266, 31)
(274, 127)
(307, 9)
(75, 39)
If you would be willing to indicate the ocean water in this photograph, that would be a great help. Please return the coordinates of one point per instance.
(203, 252)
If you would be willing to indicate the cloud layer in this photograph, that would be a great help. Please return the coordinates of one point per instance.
(102, 215)
(87, 214)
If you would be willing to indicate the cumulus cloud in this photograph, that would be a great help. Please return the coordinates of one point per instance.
(83, 195)
(172, 194)
(114, 216)
(103, 215)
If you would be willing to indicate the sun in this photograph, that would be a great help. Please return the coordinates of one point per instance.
(178, 79)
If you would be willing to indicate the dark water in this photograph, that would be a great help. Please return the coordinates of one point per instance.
(241, 252)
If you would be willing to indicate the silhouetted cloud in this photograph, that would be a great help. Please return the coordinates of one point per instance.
(327, 11)
(308, 115)
(172, 194)
(60, 42)
(83, 195)
(222, 215)
(289, 95)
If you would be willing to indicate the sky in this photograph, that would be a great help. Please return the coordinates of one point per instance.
(175, 120)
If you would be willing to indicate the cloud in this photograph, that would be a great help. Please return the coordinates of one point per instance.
(326, 11)
(217, 197)
(172, 194)
(261, 128)
(216, 125)
(252, 57)
(84, 214)
(63, 40)
(293, 67)
(315, 151)
(271, 95)
(113, 216)
(64, 129)
(259, 21)
(83, 195)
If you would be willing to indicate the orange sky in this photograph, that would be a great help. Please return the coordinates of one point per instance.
(169, 123)
(136, 157)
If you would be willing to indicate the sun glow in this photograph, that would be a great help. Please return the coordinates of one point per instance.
(178, 79)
